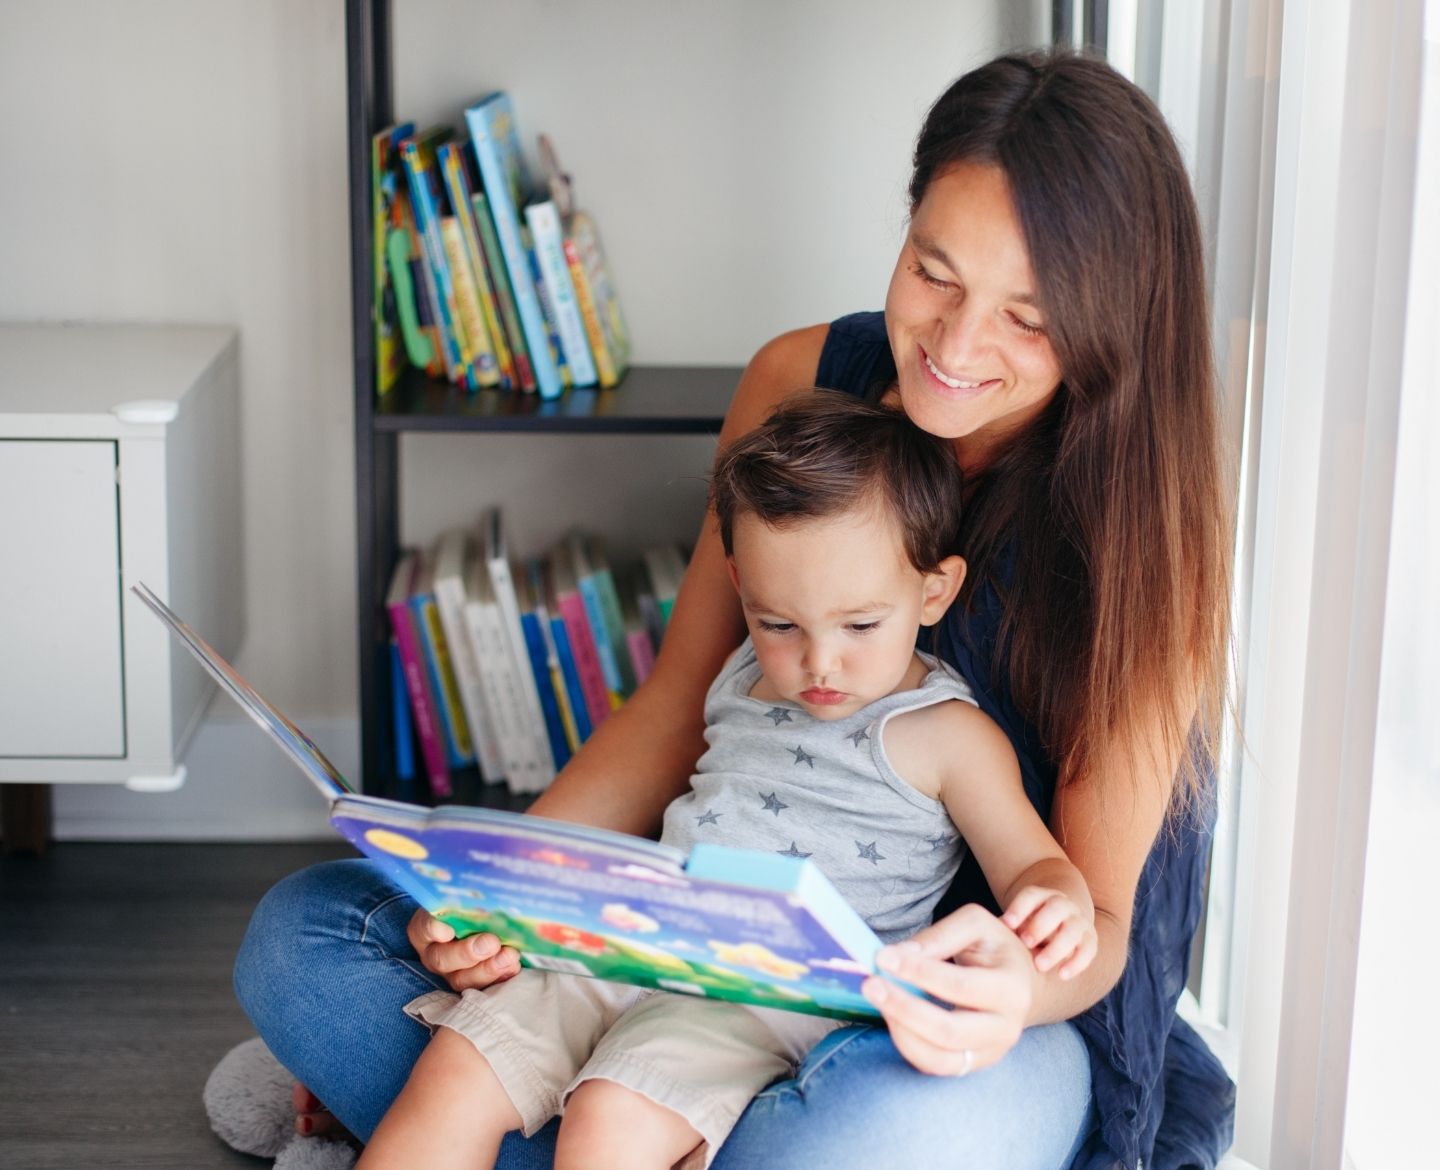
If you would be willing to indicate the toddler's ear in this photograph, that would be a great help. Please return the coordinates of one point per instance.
(941, 586)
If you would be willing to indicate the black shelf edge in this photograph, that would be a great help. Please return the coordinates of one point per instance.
(649, 400)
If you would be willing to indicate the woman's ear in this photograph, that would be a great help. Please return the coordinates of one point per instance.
(734, 573)
(941, 585)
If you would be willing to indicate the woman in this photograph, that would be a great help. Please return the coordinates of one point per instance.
(1047, 314)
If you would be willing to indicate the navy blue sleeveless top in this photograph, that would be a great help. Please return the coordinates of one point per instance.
(1160, 1094)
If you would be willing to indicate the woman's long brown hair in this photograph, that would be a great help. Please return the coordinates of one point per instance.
(1115, 504)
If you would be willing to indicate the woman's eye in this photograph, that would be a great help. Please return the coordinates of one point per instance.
(1025, 326)
(924, 274)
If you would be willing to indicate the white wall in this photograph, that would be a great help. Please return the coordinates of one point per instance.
(185, 160)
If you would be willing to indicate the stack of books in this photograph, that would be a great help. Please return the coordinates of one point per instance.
(509, 664)
(481, 277)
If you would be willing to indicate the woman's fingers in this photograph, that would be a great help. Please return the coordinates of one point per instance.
(935, 1039)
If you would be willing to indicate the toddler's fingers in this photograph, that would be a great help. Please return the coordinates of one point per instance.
(1083, 957)
(1024, 904)
(1060, 946)
(1047, 919)
(502, 965)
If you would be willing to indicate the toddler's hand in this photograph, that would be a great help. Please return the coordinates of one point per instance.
(1058, 932)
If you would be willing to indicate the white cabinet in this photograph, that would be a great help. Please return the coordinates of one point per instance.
(119, 462)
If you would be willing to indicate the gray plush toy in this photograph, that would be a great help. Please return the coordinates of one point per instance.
(247, 1099)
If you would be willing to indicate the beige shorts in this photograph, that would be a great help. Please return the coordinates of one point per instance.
(545, 1034)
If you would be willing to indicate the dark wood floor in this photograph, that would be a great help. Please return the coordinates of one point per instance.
(115, 997)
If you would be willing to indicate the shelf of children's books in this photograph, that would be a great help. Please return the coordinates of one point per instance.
(649, 400)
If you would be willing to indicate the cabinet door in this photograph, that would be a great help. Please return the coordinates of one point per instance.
(61, 687)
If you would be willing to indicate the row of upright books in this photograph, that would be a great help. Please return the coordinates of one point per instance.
(481, 277)
(509, 664)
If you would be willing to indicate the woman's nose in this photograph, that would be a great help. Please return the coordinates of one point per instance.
(962, 343)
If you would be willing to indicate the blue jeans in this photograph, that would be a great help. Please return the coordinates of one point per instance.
(325, 969)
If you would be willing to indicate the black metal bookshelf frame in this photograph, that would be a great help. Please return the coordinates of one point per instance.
(655, 400)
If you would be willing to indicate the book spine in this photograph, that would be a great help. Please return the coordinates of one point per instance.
(389, 351)
(432, 249)
(422, 282)
(614, 616)
(544, 221)
(452, 169)
(517, 264)
(587, 659)
(586, 239)
(432, 747)
(504, 298)
(579, 713)
(404, 728)
(441, 672)
(484, 361)
(504, 585)
(642, 653)
(547, 308)
(502, 697)
(604, 644)
(450, 600)
(604, 364)
(545, 688)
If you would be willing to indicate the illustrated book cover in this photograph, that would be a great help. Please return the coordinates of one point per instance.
(731, 924)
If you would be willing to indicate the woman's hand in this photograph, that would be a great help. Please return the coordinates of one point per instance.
(476, 961)
(981, 974)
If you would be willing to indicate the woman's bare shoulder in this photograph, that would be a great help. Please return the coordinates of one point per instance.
(780, 367)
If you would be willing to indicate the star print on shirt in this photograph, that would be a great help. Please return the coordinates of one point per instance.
(870, 853)
(858, 737)
(708, 817)
(773, 803)
(803, 757)
(791, 852)
(939, 843)
(780, 715)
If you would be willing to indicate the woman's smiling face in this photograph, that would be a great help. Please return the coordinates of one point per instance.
(974, 362)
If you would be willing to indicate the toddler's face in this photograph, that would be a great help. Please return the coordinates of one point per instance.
(833, 607)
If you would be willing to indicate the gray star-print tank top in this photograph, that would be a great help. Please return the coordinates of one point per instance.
(776, 779)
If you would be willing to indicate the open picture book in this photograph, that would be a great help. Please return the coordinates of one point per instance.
(734, 924)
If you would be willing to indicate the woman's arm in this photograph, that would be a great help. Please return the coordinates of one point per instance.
(642, 757)
(1107, 824)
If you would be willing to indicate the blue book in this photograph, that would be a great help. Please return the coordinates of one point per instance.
(534, 626)
(400, 714)
(571, 675)
(549, 238)
(491, 122)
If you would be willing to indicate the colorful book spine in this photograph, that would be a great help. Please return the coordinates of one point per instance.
(504, 297)
(452, 552)
(543, 668)
(571, 607)
(602, 610)
(570, 718)
(422, 703)
(409, 271)
(459, 751)
(605, 369)
(417, 153)
(544, 221)
(384, 189)
(547, 310)
(451, 158)
(585, 237)
(579, 726)
(497, 151)
(470, 313)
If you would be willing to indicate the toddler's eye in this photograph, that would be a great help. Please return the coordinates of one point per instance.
(863, 627)
(776, 627)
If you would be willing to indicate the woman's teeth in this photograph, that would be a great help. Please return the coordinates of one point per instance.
(953, 383)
